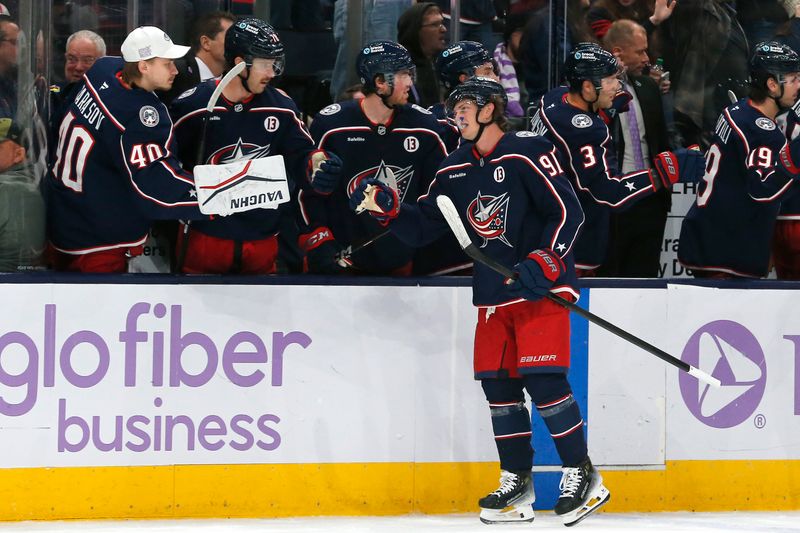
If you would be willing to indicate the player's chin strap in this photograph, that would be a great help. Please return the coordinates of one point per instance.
(781, 82)
(385, 97)
(481, 125)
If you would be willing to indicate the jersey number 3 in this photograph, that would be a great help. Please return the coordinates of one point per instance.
(74, 145)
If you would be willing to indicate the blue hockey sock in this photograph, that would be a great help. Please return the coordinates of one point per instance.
(511, 423)
(563, 418)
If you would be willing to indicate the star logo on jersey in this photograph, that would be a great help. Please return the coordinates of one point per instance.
(238, 152)
(487, 216)
(390, 174)
(560, 247)
(630, 186)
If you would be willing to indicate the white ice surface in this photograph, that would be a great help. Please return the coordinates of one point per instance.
(751, 522)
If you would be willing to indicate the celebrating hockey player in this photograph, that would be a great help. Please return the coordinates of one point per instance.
(518, 206)
(569, 118)
(727, 231)
(115, 170)
(252, 120)
(379, 136)
(455, 64)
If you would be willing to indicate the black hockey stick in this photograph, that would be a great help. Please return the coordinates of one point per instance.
(343, 257)
(212, 102)
(457, 227)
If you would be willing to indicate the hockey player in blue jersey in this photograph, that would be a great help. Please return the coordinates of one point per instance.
(727, 231)
(786, 236)
(455, 64)
(519, 207)
(251, 120)
(377, 136)
(569, 118)
(115, 170)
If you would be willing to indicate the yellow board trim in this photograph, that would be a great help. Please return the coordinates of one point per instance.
(190, 491)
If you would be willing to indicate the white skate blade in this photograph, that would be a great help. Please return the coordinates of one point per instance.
(598, 496)
(509, 515)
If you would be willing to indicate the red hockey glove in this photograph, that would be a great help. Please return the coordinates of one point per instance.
(322, 252)
(685, 165)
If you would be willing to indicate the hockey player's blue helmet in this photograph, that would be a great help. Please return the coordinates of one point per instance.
(772, 59)
(589, 61)
(480, 90)
(251, 38)
(382, 58)
(462, 57)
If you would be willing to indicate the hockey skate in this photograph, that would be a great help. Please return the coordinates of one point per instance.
(582, 493)
(511, 502)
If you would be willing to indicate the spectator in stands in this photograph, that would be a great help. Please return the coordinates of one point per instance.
(603, 13)
(9, 54)
(706, 50)
(206, 59)
(535, 43)
(83, 49)
(506, 55)
(22, 211)
(377, 25)
(422, 31)
(476, 19)
(636, 234)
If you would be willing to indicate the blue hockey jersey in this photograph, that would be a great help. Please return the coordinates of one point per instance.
(590, 162)
(729, 227)
(265, 124)
(512, 201)
(409, 145)
(115, 169)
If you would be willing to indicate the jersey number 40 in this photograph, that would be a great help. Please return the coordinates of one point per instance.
(74, 145)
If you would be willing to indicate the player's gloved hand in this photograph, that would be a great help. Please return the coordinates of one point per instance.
(324, 171)
(322, 252)
(377, 198)
(536, 275)
(620, 104)
(790, 157)
(685, 165)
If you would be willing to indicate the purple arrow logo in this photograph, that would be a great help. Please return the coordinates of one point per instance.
(731, 353)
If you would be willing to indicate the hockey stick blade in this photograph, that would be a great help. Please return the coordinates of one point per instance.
(226, 79)
(450, 214)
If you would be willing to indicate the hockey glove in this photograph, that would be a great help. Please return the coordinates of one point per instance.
(324, 171)
(685, 165)
(790, 156)
(536, 275)
(322, 252)
(377, 198)
(620, 104)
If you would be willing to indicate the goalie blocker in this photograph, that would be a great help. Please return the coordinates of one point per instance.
(241, 186)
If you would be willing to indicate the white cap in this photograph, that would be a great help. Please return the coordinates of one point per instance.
(4, 10)
(147, 42)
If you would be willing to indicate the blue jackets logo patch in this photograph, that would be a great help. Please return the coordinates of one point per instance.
(487, 216)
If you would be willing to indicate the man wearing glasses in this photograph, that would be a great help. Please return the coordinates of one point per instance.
(422, 31)
(83, 49)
